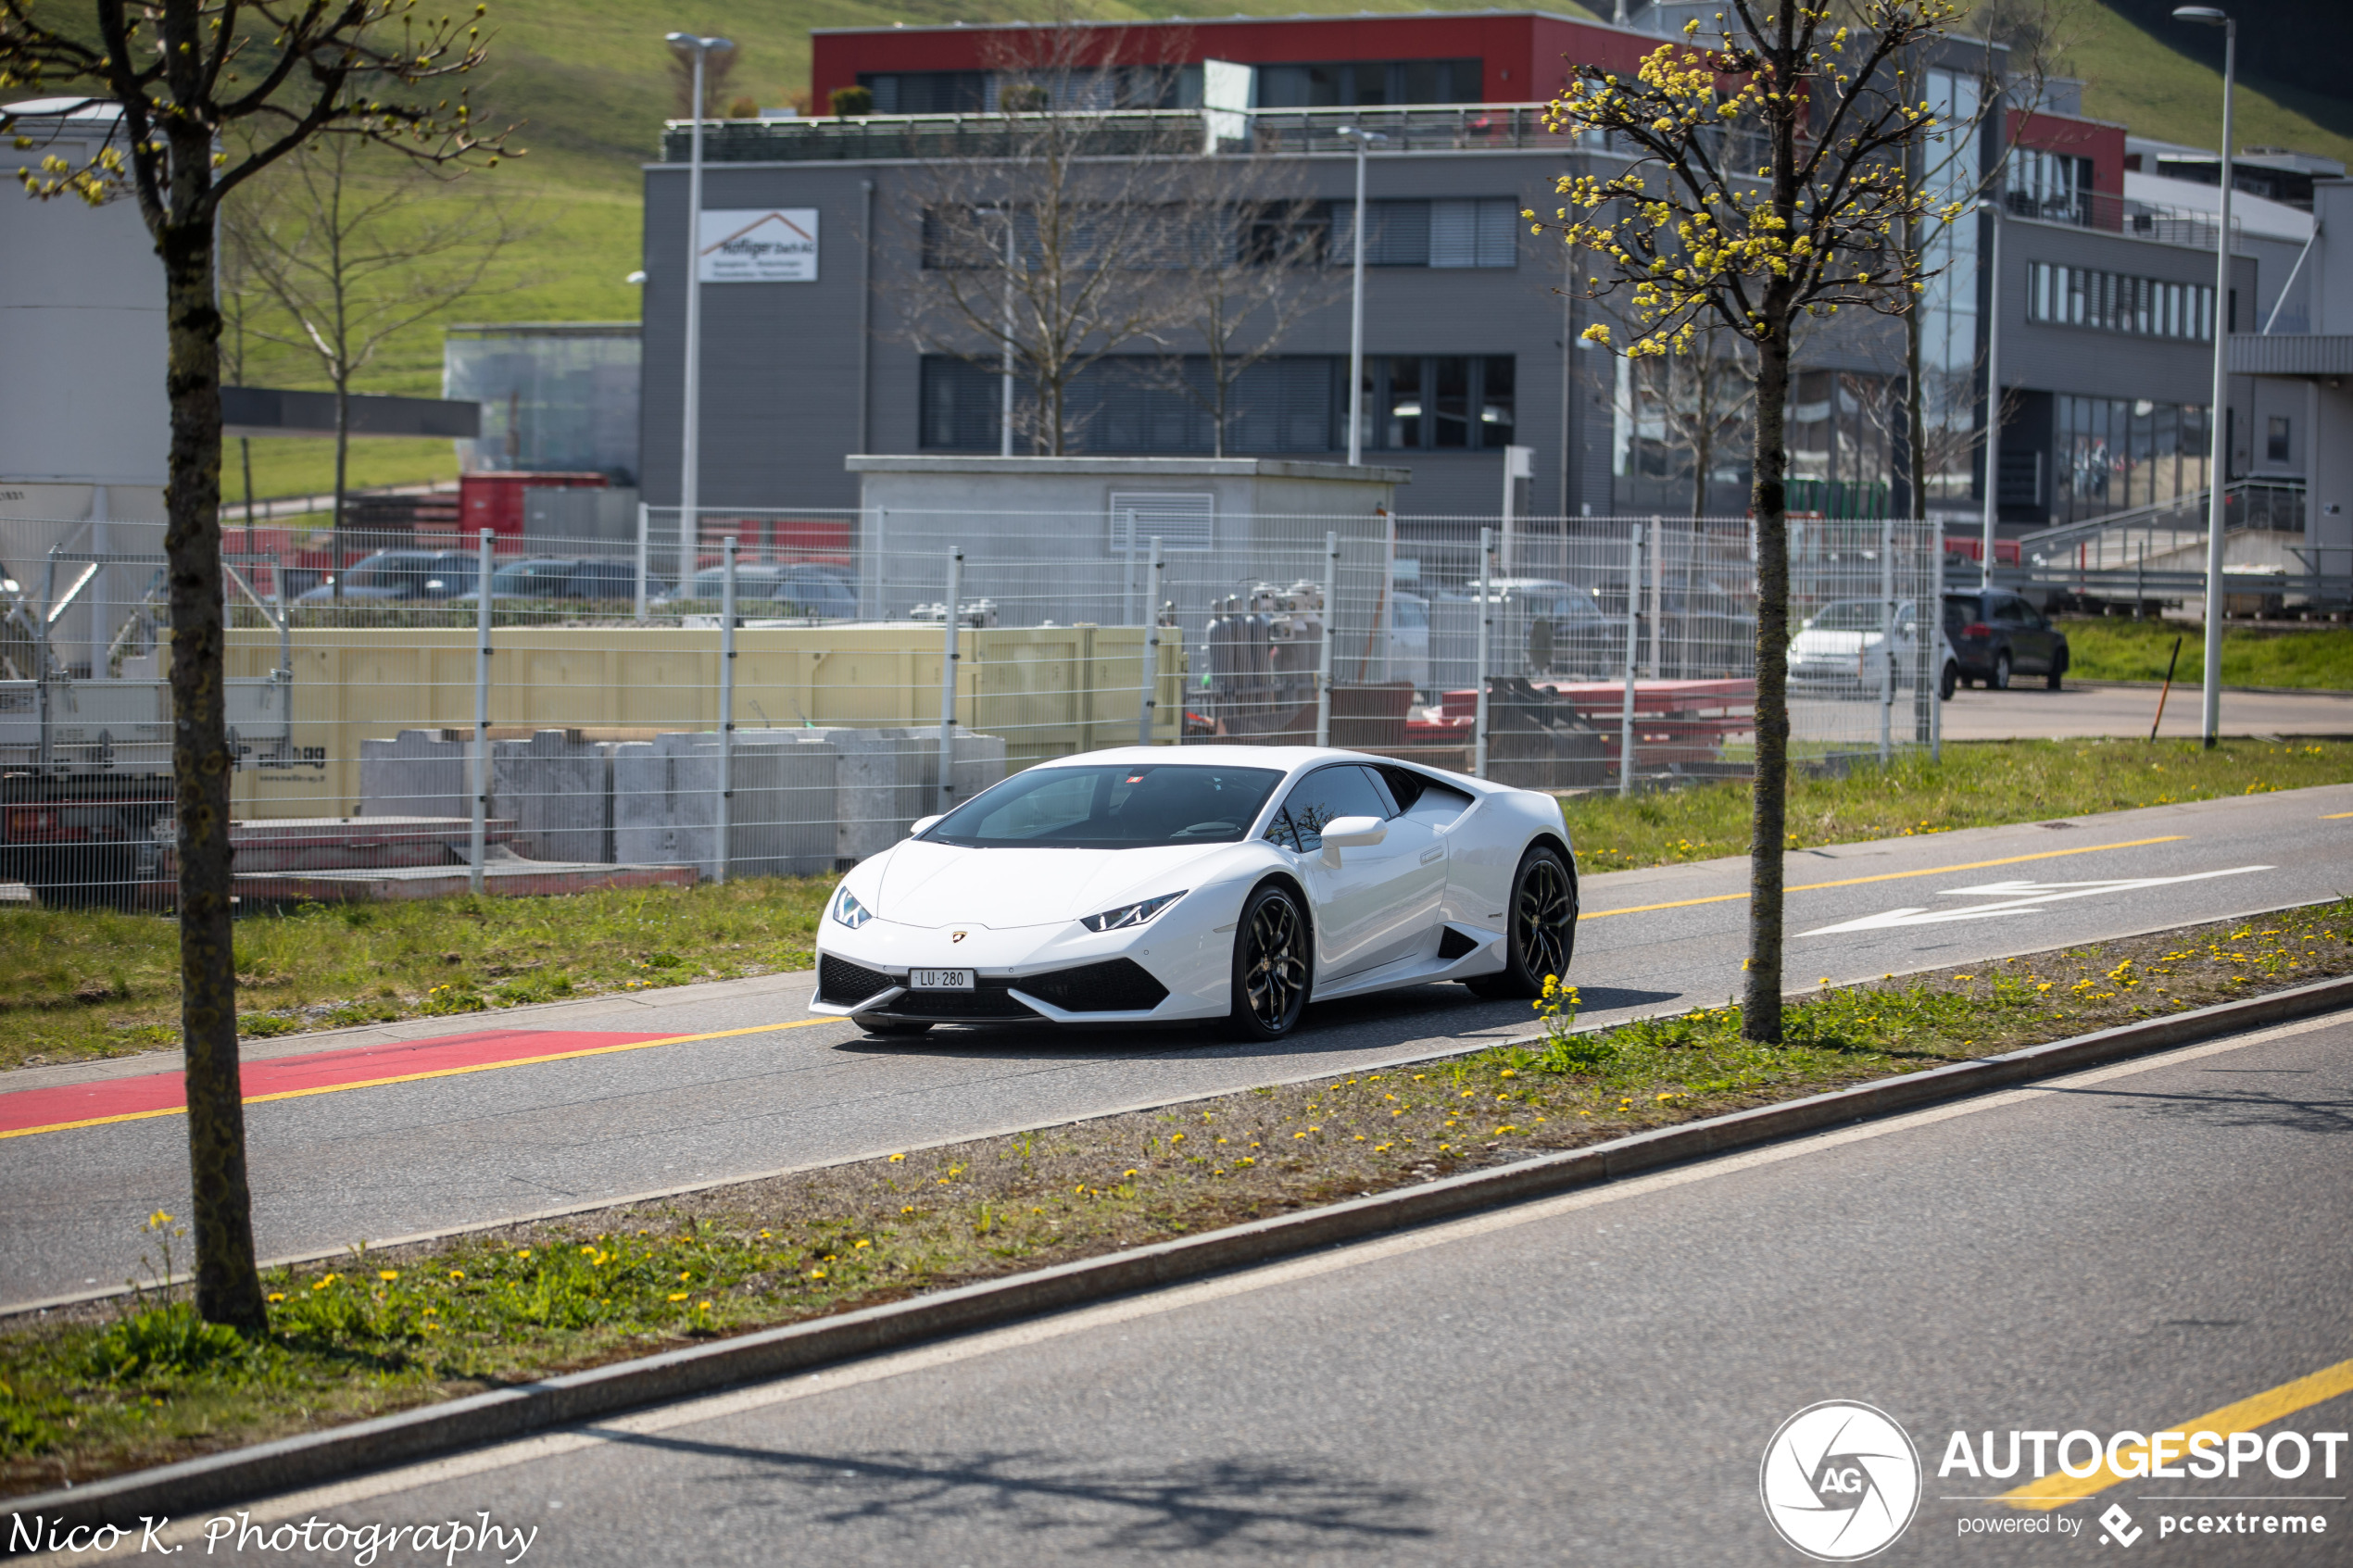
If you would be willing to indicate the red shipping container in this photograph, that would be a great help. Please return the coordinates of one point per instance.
(495, 500)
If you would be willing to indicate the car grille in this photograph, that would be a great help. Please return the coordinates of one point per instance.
(1115, 985)
(842, 982)
(989, 999)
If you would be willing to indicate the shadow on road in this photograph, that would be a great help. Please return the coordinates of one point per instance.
(1411, 1016)
(1183, 1506)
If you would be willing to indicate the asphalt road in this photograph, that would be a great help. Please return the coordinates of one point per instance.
(2029, 711)
(405, 1159)
(1593, 1378)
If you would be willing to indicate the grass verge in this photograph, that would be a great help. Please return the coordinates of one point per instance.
(76, 985)
(2319, 657)
(98, 1389)
(1979, 784)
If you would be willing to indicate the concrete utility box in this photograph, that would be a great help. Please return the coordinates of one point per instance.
(666, 804)
(416, 773)
(557, 790)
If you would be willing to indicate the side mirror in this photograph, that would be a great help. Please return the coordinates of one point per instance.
(924, 825)
(1352, 833)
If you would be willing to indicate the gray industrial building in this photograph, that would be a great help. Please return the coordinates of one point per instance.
(2105, 307)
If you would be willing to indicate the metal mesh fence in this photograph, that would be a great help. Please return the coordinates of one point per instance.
(784, 692)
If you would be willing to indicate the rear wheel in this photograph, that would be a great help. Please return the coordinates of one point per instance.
(889, 1026)
(1543, 928)
(2000, 680)
(1949, 683)
(1273, 963)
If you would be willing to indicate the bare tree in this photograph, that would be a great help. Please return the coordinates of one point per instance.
(1702, 399)
(1040, 255)
(1246, 265)
(351, 247)
(190, 78)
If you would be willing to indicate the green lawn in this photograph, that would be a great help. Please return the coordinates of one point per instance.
(2104, 650)
(1979, 784)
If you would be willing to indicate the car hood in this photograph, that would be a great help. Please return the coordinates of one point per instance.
(933, 884)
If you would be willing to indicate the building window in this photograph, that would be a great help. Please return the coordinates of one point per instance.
(1140, 406)
(2275, 445)
(1349, 83)
(2112, 454)
(2118, 302)
(1447, 402)
(927, 92)
(2056, 187)
(1456, 232)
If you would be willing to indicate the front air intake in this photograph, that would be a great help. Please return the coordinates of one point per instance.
(842, 982)
(1113, 986)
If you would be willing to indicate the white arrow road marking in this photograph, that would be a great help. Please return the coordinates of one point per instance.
(2016, 896)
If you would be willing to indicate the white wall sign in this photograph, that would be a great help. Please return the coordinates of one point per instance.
(759, 246)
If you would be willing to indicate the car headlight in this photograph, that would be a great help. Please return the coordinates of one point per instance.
(850, 912)
(1129, 914)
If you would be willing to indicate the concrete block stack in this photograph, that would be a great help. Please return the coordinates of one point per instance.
(557, 790)
(416, 773)
(666, 804)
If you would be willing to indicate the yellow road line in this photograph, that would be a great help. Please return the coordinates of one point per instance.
(2248, 1415)
(436, 1073)
(2336, 816)
(1892, 876)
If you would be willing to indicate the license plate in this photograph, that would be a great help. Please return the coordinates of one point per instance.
(940, 980)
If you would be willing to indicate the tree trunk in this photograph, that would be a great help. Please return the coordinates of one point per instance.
(1761, 1005)
(343, 451)
(1915, 415)
(227, 1285)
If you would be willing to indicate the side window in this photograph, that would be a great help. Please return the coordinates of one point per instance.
(1425, 799)
(1323, 797)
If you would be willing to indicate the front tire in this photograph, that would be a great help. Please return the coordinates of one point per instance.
(1949, 683)
(1543, 928)
(2059, 668)
(1273, 965)
(890, 1027)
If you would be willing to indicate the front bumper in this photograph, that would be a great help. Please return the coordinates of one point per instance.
(1050, 974)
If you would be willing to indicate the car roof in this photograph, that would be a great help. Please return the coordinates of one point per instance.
(1286, 758)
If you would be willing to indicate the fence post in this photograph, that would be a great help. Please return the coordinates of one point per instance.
(1151, 650)
(948, 682)
(480, 836)
(1633, 651)
(1887, 638)
(1485, 629)
(1657, 590)
(726, 706)
(645, 556)
(1324, 655)
(1936, 689)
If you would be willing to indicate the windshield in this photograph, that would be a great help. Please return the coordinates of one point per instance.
(542, 577)
(1849, 615)
(1127, 807)
(413, 573)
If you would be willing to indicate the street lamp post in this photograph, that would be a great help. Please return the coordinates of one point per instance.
(1992, 525)
(695, 50)
(2218, 425)
(1363, 138)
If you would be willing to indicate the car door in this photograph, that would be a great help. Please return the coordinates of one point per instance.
(1363, 910)
(2030, 646)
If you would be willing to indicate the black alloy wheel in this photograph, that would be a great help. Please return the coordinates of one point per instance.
(1543, 928)
(2000, 680)
(889, 1026)
(1272, 965)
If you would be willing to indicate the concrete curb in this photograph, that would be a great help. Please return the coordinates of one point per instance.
(315, 1458)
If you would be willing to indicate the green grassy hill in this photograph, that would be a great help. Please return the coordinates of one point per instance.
(589, 82)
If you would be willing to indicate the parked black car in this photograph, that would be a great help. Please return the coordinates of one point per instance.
(1996, 635)
(782, 588)
(569, 579)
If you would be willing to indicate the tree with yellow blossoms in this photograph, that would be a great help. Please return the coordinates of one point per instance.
(1760, 180)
